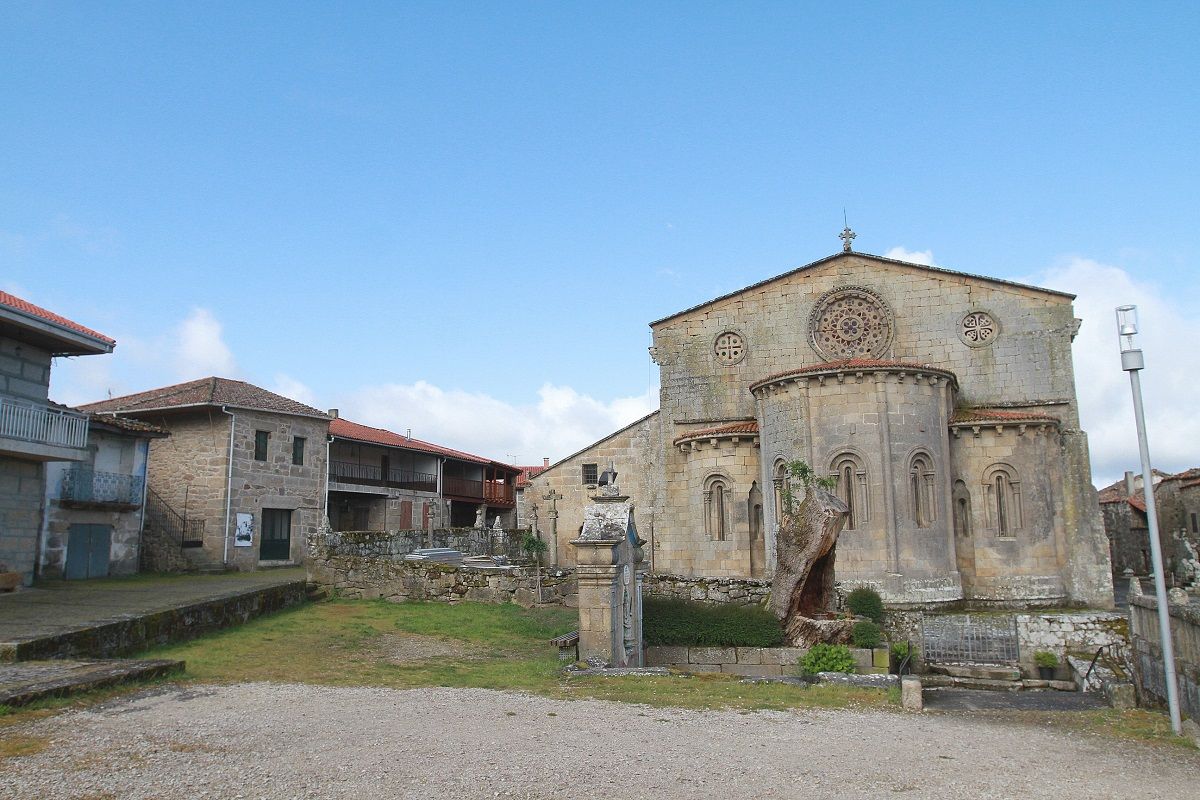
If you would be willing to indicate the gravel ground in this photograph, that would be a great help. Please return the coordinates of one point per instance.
(273, 741)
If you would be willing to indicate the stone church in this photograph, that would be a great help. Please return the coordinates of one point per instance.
(942, 403)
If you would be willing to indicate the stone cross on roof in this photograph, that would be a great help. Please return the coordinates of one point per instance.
(846, 236)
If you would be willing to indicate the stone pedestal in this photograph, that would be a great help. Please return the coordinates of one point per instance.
(608, 557)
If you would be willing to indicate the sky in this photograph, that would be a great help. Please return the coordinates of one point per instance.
(460, 218)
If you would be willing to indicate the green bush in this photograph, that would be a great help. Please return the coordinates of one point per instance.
(865, 602)
(827, 658)
(901, 651)
(866, 634)
(1044, 658)
(684, 624)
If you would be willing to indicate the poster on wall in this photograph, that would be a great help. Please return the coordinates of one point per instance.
(244, 533)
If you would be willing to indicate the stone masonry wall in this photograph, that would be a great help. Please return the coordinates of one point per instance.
(636, 451)
(24, 370)
(1147, 653)
(1080, 633)
(715, 591)
(21, 489)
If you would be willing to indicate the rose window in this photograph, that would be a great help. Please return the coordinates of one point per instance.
(729, 348)
(978, 328)
(851, 323)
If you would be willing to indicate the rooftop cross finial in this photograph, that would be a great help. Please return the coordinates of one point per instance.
(846, 236)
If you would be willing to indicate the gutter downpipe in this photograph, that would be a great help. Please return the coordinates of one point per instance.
(325, 503)
(228, 482)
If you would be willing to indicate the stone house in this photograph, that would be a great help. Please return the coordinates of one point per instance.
(1177, 497)
(942, 404)
(33, 431)
(240, 481)
(380, 480)
(94, 508)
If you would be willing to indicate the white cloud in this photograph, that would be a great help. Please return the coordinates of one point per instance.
(200, 349)
(194, 348)
(1167, 336)
(288, 386)
(912, 256)
(559, 423)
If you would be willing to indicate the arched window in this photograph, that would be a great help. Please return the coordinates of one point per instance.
(779, 481)
(1002, 487)
(962, 510)
(921, 497)
(716, 498)
(851, 476)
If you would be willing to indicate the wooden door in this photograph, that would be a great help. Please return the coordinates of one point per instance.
(276, 541)
(88, 548)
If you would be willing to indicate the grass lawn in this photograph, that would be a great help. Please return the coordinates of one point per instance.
(347, 643)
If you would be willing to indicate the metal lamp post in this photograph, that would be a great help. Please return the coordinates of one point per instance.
(1133, 362)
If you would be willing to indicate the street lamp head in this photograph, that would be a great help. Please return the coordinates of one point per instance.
(1127, 327)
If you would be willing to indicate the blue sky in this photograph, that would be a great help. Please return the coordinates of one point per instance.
(460, 218)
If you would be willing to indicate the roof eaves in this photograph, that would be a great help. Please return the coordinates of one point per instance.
(838, 255)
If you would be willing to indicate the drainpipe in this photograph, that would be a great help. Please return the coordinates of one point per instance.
(325, 503)
(228, 482)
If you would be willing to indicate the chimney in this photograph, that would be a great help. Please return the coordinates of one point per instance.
(545, 462)
(408, 434)
(1130, 484)
(333, 412)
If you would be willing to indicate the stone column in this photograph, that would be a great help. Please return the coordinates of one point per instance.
(608, 557)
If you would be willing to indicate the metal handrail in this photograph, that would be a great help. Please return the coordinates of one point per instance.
(32, 422)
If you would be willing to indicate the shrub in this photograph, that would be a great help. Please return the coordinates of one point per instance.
(685, 624)
(901, 651)
(827, 658)
(532, 545)
(866, 634)
(865, 602)
(1044, 658)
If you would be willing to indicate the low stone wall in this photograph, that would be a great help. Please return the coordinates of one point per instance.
(397, 580)
(399, 543)
(751, 661)
(1147, 653)
(1077, 632)
(732, 591)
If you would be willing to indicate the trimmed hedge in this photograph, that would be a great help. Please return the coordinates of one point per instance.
(681, 623)
(866, 634)
(865, 602)
(827, 658)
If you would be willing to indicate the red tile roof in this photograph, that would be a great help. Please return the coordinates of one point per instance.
(204, 392)
(528, 474)
(720, 431)
(345, 429)
(1186, 475)
(854, 365)
(127, 424)
(965, 416)
(25, 307)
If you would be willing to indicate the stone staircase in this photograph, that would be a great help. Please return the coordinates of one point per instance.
(988, 677)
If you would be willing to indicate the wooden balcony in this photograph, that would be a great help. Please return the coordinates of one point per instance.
(373, 475)
(494, 493)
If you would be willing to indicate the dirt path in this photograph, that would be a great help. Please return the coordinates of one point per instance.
(271, 741)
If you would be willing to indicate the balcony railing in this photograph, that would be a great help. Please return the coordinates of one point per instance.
(372, 475)
(488, 491)
(42, 424)
(83, 485)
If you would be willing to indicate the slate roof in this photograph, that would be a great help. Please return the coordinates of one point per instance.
(210, 391)
(721, 430)
(12, 303)
(841, 254)
(345, 429)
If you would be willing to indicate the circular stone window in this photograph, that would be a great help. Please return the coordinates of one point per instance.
(851, 322)
(978, 329)
(729, 348)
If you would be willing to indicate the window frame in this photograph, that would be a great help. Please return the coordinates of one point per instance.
(298, 443)
(595, 474)
(262, 445)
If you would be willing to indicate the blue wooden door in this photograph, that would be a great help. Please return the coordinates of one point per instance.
(88, 548)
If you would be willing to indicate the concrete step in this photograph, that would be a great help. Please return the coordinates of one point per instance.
(989, 672)
(937, 680)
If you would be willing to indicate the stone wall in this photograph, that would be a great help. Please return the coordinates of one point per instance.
(397, 544)
(637, 454)
(1076, 633)
(753, 661)
(715, 591)
(21, 487)
(24, 370)
(1147, 653)
(397, 581)
(188, 469)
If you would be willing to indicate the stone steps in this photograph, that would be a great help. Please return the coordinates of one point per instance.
(990, 672)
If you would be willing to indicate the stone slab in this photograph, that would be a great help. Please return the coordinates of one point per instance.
(663, 655)
(991, 672)
(783, 656)
(28, 681)
(712, 655)
(749, 655)
(911, 694)
(756, 670)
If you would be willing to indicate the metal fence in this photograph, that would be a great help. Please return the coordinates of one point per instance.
(82, 484)
(970, 639)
